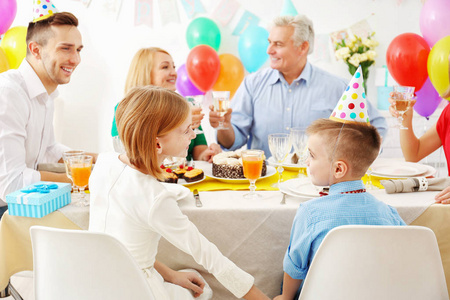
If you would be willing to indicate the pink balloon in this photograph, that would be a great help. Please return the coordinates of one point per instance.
(427, 99)
(8, 10)
(435, 20)
(184, 85)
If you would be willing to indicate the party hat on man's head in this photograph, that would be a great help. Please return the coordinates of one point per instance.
(352, 106)
(43, 9)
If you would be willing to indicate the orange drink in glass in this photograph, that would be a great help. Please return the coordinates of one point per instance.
(252, 161)
(81, 166)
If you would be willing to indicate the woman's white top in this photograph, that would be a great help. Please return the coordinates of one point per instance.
(137, 210)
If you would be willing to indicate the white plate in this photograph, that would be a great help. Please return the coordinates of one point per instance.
(208, 172)
(287, 165)
(300, 187)
(431, 171)
(183, 182)
(399, 169)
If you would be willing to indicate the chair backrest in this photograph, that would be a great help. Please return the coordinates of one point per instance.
(376, 262)
(78, 264)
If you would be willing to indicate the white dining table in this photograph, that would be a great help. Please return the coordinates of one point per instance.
(254, 234)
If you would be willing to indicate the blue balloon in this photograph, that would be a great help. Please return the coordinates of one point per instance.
(252, 47)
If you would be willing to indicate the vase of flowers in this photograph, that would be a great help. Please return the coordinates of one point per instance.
(357, 51)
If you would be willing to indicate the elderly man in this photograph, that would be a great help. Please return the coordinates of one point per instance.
(291, 93)
(26, 103)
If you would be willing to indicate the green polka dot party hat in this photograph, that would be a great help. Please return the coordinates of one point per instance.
(352, 106)
(43, 9)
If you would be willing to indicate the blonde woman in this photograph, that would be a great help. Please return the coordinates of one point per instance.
(129, 203)
(155, 66)
(414, 149)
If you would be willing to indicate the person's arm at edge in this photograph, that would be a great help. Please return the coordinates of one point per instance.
(290, 287)
(255, 293)
(54, 177)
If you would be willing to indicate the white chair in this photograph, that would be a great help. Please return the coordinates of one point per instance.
(78, 264)
(376, 262)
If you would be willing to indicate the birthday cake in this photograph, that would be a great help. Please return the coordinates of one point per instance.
(229, 165)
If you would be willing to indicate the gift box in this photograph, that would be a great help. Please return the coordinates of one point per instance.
(38, 199)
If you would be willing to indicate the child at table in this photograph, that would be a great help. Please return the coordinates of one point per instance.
(129, 203)
(340, 155)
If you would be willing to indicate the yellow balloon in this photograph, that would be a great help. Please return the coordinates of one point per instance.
(15, 46)
(231, 74)
(4, 65)
(438, 65)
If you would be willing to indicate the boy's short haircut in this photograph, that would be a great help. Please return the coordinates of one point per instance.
(358, 144)
(40, 31)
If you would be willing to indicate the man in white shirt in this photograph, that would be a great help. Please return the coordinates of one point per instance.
(26, 103)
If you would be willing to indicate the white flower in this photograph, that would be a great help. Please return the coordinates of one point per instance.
(355, 59)
(343, 53)
(363, 57)
(371, 54)
(369, 43)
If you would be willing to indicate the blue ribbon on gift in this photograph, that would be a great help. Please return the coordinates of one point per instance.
(40, 188)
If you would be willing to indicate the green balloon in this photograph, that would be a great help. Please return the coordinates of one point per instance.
(203, 31)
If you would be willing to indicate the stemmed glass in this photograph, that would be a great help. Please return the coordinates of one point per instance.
(280, 146)
(81, 166)
(252, 161)
(66, 155)
(299, 140)
(196, 101)
(221, 105)
(402, 96)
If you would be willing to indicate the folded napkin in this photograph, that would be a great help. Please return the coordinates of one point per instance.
(415, 184)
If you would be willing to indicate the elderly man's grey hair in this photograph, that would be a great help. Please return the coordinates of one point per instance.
(303, 29)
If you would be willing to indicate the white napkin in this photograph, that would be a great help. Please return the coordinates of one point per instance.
(415, 184)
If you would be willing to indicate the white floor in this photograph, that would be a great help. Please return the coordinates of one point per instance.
(23, 283)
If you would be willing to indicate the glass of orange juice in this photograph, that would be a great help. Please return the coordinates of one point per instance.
(252, 161)
(81, 166)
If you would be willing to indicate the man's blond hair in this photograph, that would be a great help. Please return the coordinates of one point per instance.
(357, 144)
(143, 115)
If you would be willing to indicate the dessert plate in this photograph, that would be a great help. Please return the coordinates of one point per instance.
(287, 165)
(399, 169)
(300, 187)
(208, 172)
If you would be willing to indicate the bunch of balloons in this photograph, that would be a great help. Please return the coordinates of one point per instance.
(412, 63)
(13, 46)
(206, 70)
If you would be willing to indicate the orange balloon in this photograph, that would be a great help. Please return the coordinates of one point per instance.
(15, 46)
(4, 65)
(231, 74)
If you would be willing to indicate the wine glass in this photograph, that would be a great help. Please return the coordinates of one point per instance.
(280, 146)
(66, 155)
(81, 166)
(221, 105)
(402, 96)
(252, 161)
(196, 101)
(299, 141)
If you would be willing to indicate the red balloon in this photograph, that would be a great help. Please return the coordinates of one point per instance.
(203, 67)
(406, 59)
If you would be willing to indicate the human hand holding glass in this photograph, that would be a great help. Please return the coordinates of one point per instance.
(280, 146)
(299, 141)
(221, 105)
(402, 97)
(252, 161)
(81, 166)
(196, 102)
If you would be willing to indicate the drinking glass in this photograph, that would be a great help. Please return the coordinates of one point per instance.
(280, 146)
(299, 141)
(252, 161)
(402, 96)
(76, 194)
(196, 101)
(81, 167)
(221, 105)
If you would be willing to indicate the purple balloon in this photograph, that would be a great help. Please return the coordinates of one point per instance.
(427, 100)
(435, 20)
(184, 85)
(8, 10)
